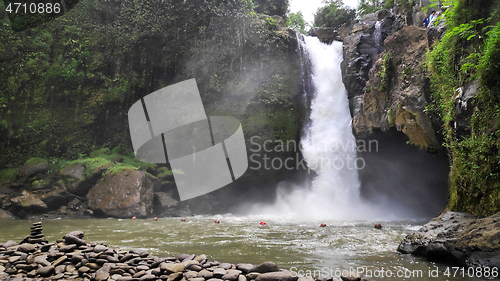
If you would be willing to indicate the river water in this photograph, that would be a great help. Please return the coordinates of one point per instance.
(296, 246)
(292, 237)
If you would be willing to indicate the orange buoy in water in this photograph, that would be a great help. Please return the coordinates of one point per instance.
(378, 226)
(183, 219)
(322, 225)
(155, 218)
(133, 218)
(217, 221)
(262, 223)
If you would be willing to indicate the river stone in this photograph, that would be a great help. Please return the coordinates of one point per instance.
(2, 268)
(214, 279)
(277, 276)
(42, 260)
(205, 274)
(175, 276)
(13, 259)
(59, 261)
(350, 276)
(245, 267)
(201, 258)
(60, 269)
(219, 272)
(9, 244)
(194, 267)
(197, 279)
(232, 275)
(45, 271)
(100, 248)
(68, 248)
(242, 278)
(124, 278)
(93, 265)
(83, 269)
(148, 277)
(252, 275)
(190, 274)
(174, 268)
(142, 267)
(26, 248)
(125, 194)
(265, 267)
(76, 233)
(70, 239)
(102, 273)
(27, 267)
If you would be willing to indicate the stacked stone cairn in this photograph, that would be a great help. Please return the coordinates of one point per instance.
(72, 258)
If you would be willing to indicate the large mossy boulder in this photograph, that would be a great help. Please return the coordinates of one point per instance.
(81, 175)
(33, 167)
(457, 238)
(28, 203)
(123, 194)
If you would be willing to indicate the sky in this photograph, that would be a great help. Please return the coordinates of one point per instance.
(309, 7)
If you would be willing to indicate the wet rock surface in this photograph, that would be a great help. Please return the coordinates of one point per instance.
(397, 94)
(124, 194)
(363, 41)
(458, 239)
(73, 258)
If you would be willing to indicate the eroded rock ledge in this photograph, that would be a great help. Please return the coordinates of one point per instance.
(458, 239)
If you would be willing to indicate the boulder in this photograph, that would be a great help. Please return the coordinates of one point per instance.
(265, 267)
(82, 177)
(6, 215)
(457, 239)
(29, 203)
(325, 34)
(54, 199)
(33, 167)
(163, 200)
(123, 194)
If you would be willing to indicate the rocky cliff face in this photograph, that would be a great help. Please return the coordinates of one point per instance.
(397, 93)
(363, 41)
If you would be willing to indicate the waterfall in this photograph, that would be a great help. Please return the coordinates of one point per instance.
(328, 146)
(377, 33)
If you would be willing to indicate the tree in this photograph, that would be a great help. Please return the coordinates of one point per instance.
(271, 7)
(333, 15)
(369, 6)
(296, 22)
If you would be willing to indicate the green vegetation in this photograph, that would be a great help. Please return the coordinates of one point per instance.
(469, 51)
(272, 8)
(333, 15)
(68, 84)
(386, 73)
(369, 6)
(8, 175)
(296, 22)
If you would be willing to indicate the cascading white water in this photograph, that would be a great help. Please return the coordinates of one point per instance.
(377, 33)
(328, 146)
